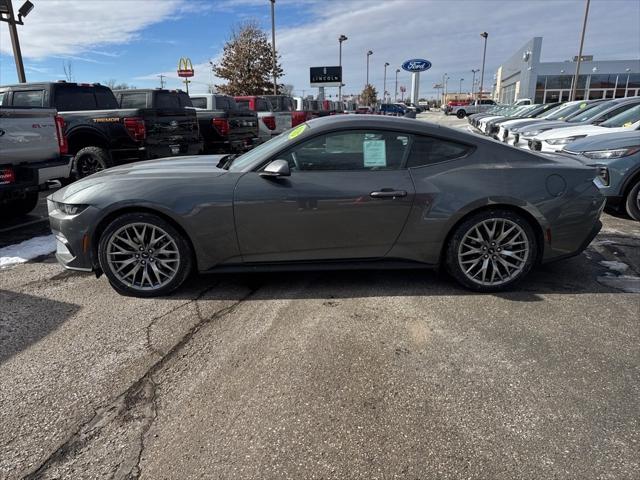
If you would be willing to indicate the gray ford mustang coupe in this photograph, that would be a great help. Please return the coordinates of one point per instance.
(345, 191)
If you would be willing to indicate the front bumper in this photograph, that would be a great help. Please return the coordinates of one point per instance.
(74, 235)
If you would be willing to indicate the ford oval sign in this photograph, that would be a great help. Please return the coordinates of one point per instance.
(416, 65)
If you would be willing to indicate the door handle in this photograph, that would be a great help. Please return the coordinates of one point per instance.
(388, 193)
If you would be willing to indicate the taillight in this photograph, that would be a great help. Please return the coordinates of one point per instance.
(7, 176)
(270, 122)
(298, 117)
(63, 146)
(136, 128)
(222, 125)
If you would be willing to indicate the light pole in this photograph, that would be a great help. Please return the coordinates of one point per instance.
(484, 54)
(395, 96)
(369, 53)
(273, 45)
(460, 89)
(473, 82)
(584, 28)
(445, 77)
(341, 39)
(384, 88)
(7, 15)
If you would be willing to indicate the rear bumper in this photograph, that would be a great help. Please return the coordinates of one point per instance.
(29, 177)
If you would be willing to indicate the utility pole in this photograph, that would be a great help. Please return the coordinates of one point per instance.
(395, 96)
(460, 89)
(572, 97)
(341, 39)
(7, 15)
(384, 88)
(445, 77)
(161, 80)
(484, 35)
(273, 45)
(369, 53)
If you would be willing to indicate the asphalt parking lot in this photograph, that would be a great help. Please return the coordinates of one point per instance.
(364, 375)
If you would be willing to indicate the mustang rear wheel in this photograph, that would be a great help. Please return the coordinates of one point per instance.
(144, 255)
(492, 250)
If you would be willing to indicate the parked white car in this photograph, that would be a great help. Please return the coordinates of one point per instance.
(556, 139)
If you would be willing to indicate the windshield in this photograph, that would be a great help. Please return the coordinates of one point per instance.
(563, 111)
(625, 119)
(589, 112)
(263, 151)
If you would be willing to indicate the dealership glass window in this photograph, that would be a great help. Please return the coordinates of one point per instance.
(540, 82)
(595, 94)
(354, 150)
(559, 81)
(634, 80)
(133, 100)
(539, 96)
(579, 95)
(603, 81)
(28, 98)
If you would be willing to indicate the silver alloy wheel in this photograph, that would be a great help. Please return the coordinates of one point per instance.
(143, 256)
(493, 252)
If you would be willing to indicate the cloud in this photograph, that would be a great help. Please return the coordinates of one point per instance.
(71, 27)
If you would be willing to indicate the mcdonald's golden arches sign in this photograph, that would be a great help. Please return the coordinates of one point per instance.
(185, 67)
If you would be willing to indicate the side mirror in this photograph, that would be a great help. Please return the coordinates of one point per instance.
(277, 168)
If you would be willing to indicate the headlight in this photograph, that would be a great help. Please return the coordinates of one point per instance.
(70, 208)
(563, 140)
(606, 154)
(532, 133)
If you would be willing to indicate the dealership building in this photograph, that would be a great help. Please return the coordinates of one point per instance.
(524, 75)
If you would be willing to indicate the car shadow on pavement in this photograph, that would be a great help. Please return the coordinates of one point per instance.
(573, 276)
(25, 319)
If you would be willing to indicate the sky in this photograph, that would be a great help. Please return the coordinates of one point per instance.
(134, 41)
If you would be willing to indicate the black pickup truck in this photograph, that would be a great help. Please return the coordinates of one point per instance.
(224, 127)
(100, 133)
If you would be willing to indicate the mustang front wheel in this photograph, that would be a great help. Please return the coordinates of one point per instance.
(492, 251)
(144, 255)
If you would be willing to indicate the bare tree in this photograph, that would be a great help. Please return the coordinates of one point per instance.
(286, 89)
(67, 66)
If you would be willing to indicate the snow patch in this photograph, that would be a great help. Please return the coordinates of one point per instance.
(27, 250)
(626, 283)
(615, 265)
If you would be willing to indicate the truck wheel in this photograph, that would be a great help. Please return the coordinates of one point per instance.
(460, 113)
(90, 160)
(632, 202)
(20, 206)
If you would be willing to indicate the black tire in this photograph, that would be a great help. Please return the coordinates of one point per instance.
(454, 247)
(19, 206)
(185, 262)
(90, 160)
(632, 202)
(461, 114)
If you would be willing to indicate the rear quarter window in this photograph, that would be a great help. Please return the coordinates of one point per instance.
(28, 98)
(430, 150)
(133, 100)
(105, 99)
(199, 102)
(185, 101)
(262, 105)
(74, 98)
(243, 104)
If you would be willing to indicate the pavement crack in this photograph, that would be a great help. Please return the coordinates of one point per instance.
(141, 395)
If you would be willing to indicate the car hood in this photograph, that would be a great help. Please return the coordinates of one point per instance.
(195, 167)
(572, 131)
(607, 141)
(517, 122)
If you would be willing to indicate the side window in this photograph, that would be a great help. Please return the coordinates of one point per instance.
(617, 111)
(167, 100)
(199, 102)
(430, 150)
(71, 98)
(262, 105)
(353, 150)
(106, 99)
(2, 94)
(133, 100)
(28, 98)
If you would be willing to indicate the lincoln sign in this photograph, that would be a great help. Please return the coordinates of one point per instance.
(416, 65)
(325, 76)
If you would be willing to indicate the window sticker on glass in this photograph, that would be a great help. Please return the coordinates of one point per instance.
(375, 153)
(297, 131)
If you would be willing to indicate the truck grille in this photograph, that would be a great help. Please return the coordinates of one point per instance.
(535, 145)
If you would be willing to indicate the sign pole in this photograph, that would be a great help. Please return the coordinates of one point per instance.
(415, 87)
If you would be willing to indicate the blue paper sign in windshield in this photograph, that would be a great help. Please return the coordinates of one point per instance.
(416, 65)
